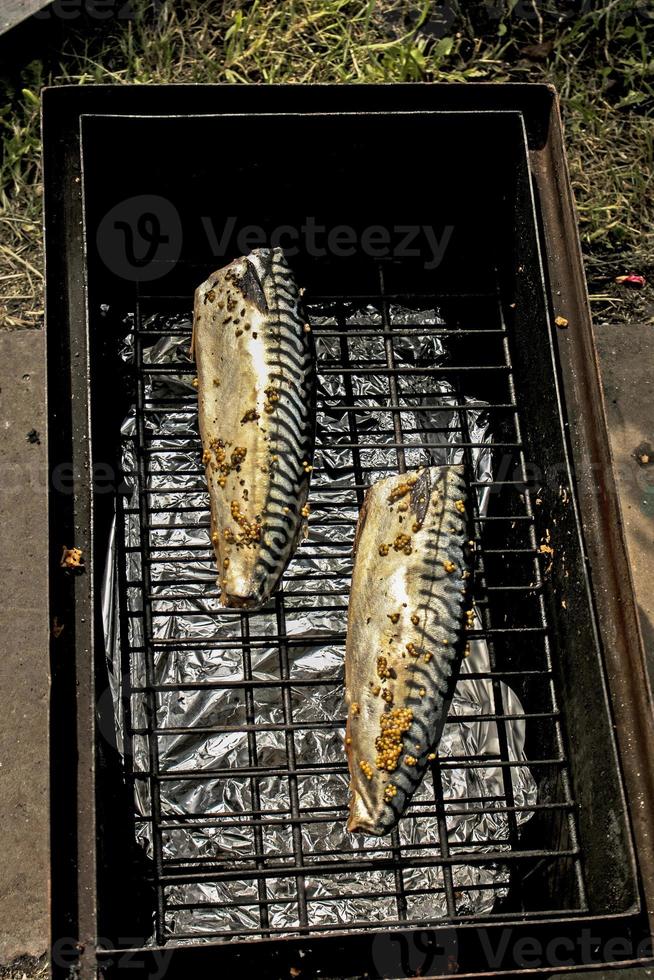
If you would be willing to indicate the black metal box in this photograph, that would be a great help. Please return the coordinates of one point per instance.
(146, 192)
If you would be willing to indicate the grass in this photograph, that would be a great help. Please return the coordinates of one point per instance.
(598, 54)
(26, 968)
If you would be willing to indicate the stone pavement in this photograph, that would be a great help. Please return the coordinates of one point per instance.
(23, 647)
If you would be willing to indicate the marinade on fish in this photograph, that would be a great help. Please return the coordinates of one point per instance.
(405, 637)
(256, 398)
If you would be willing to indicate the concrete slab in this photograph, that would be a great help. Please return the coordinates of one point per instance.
(626, 353)
(24, 900)
(13, 12)
(630, 974)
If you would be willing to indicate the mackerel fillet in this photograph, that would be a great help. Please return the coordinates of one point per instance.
(404, 639)
(256, 399)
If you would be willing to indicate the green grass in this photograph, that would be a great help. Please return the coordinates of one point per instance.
(26, 968)
(600, 59)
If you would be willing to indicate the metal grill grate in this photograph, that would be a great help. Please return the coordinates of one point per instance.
(508, 590)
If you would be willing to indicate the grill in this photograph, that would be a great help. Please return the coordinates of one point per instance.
(413, 363)
(506, 535)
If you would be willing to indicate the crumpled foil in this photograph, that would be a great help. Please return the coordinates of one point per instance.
(207, 809)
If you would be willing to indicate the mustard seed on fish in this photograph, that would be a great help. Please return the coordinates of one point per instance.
(367, 769)
(393, 727)
(250, 416)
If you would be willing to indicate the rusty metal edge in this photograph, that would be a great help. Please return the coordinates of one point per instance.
(597, 493)
(66, 338)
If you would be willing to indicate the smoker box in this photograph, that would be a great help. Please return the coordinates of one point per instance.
(483, 166)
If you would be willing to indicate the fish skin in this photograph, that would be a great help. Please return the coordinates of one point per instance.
(256, 395)
(412, 585)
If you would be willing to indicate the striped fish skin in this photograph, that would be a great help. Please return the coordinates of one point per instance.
(255, 363)
(405, 637)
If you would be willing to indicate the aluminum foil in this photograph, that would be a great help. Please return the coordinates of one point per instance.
(207, 808)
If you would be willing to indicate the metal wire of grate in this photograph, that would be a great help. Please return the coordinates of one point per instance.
(509, 580)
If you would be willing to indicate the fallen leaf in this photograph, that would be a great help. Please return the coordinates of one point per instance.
(632, 280)
(71, 558)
